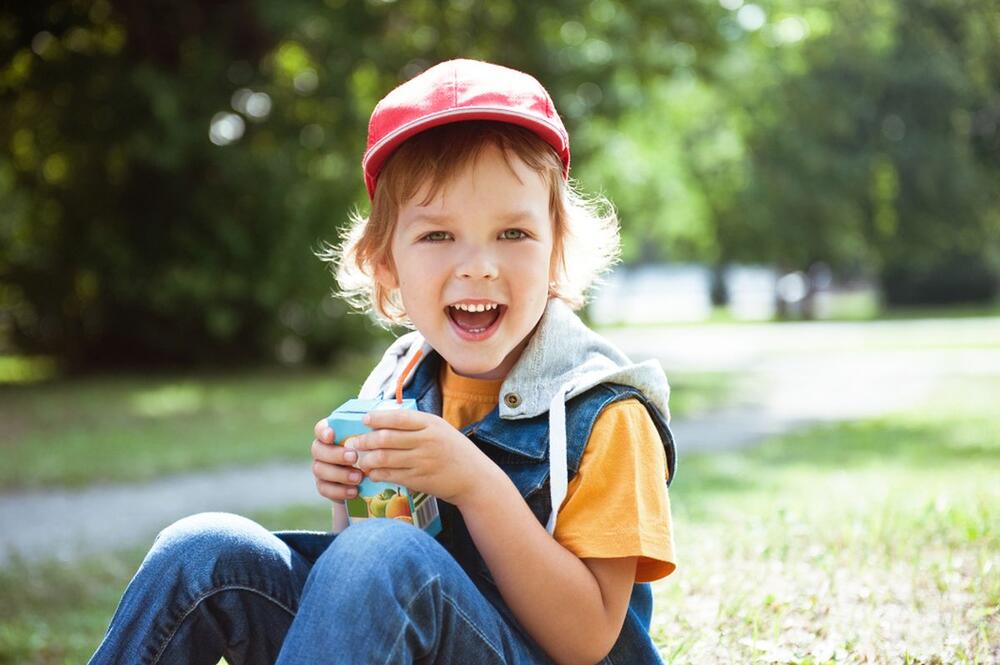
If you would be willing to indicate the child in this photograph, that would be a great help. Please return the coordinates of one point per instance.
(475, 239)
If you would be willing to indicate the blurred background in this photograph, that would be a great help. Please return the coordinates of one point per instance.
(168, 169)
(810, 210)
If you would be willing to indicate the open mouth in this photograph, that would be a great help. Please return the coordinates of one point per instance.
(476, 325)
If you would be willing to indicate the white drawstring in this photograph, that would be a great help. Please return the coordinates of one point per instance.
(558, 474)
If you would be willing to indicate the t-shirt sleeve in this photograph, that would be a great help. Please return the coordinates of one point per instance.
(617, 504)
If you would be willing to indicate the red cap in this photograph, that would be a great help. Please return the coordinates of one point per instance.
(459, 90)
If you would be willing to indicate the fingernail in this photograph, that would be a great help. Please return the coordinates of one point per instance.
(352, 492)
(351, 443)
(355, 476)
(351, 456)
(327, 434)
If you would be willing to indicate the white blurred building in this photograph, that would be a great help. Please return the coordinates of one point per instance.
(751, 292)
(670, 293)
(654, 294)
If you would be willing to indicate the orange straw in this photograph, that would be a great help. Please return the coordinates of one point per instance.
(402, 377)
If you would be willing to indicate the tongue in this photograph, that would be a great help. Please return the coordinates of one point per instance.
(473, 320)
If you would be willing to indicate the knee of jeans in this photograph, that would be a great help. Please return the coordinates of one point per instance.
(207, 542)
(379, 544)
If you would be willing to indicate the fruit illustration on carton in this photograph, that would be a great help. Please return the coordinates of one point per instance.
(379, 499)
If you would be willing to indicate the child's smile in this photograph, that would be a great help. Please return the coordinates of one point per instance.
(476, 320)
(473, 265)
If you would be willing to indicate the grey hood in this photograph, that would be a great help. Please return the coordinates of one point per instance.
(563, 359)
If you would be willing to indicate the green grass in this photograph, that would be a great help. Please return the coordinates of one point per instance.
(693, 394)
(874, 541)
(134, 428)
(79, 431)
(958, 311)
(846, 308)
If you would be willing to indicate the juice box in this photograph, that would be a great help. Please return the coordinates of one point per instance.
(381, 499)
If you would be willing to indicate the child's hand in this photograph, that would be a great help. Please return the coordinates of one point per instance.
(422, 452)
(332, 465)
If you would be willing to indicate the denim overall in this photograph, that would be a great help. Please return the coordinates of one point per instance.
(520, 448)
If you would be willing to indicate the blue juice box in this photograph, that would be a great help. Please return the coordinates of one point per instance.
(380, 499)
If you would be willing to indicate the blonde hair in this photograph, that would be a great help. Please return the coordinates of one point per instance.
(586, 243)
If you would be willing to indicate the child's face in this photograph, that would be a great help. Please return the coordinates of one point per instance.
(485, 238)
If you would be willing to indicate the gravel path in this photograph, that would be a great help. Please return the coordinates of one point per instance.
(67, 524)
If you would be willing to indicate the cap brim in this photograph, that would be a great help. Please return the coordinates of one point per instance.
(376, 156)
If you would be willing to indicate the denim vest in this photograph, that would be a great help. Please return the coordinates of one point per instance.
(562, 360)
(520, 448)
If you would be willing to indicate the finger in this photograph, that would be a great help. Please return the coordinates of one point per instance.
(323, 452)
(404, 419)
(333, 473)
(397, 439)
(402, 477)
(335, 491)
(323, 431)
(385, 459)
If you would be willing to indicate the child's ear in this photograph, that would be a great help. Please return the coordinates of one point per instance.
(386, 276)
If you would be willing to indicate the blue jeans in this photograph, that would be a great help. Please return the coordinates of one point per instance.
(383, 591)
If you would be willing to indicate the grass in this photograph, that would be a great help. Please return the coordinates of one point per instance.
(873, 541)
(693, 394)
(134, 428)
(846, 308)
(957, 311)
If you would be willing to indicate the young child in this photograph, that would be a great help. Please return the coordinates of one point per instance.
(548, 450)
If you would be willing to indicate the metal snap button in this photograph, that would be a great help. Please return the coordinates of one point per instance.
(512, 400)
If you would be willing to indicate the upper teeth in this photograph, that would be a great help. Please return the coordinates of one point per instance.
(475, 308)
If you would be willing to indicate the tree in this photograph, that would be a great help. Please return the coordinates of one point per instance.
(880, 150)
(172, 171)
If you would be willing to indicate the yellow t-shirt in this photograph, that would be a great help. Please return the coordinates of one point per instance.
(617, 503)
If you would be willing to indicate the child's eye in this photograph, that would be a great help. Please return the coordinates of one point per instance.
(436, 236)
(513, 234)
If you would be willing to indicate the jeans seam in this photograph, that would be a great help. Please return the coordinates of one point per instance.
(200, 599)
(407, 612)
(472, 625)
(448, 599)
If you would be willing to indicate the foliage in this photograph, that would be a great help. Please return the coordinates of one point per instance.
(168, 174)
(128, 235)
(861, 134)
(880, 147)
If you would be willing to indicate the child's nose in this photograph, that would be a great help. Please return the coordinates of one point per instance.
(478, 266)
